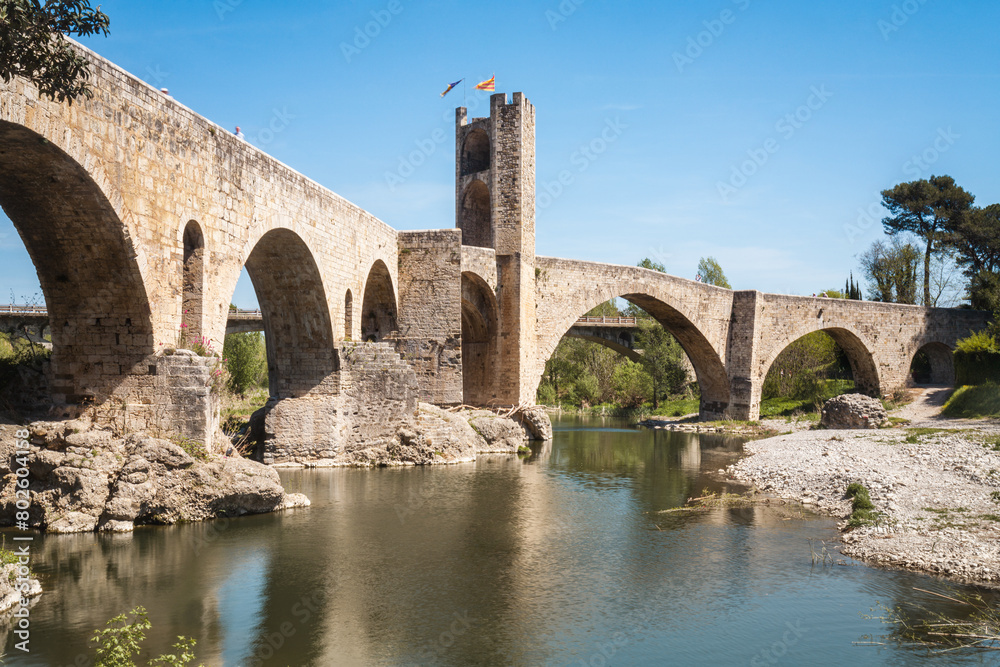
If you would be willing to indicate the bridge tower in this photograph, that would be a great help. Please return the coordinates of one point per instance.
(495, 208)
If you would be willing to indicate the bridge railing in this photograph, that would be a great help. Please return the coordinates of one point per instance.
(605, 320)
(245, 314)
(22, 309)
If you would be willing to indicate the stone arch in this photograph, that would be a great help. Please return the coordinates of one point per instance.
(858, 352)
(348, 315)
(941, 361)
(378, 310)
(193, 281)
(77, 235)
(476, 216)
(298, 331)
(480, 345)
(475, 152)
(709, 370)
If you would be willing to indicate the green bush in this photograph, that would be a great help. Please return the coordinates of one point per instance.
(977, 359)
(119, 642)
(246, 360)
(546, 394)
(976, 401)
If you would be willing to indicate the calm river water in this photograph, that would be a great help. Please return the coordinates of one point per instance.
(556, 559)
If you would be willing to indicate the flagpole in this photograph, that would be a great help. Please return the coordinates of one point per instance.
(465, 96)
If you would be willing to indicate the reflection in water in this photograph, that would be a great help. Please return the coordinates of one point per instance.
(559, 558)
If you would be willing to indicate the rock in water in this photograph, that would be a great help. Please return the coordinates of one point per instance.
(82, 480)
(854, 411)
(535, 422)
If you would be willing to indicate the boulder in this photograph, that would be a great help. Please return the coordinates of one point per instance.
(501, 435)
(854, 411)
(83, 480)
(535, 421)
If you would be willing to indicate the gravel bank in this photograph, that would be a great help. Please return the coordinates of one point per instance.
(936, 492)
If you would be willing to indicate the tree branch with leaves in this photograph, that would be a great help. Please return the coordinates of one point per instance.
(33, 44)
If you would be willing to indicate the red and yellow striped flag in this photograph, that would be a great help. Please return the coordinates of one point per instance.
(489, 84)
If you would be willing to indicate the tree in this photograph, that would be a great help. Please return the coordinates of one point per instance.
(631, 383)
(647, 263)
(246, 360)
(33, 44)
(926, 208)
(711, 272)
(976, 238)
(891, 269)
(984, 291)
(663, 358)
(851, 289)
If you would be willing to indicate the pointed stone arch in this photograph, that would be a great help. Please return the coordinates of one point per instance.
(710, 371)
(475, 152)
(859, 355)
(298, 330)
(193, 281)
(348, 314)
(940, 361)
(476, 216)
(378, 310)
(77, 234)
(480, 344)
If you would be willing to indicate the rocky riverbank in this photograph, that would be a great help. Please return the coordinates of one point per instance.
(936, 489)
(431, 436)
(81, 478)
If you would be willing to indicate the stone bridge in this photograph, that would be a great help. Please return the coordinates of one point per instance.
(139, 215)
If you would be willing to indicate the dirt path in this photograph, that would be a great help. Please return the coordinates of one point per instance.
(925, 410)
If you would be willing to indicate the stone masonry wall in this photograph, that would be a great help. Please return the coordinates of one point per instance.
(430, 312)
(377, 392)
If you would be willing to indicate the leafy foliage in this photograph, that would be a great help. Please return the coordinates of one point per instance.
(632, 385)
(711, 272)
(892, 270)
(33, 44)
(246, 360)
(976, 237)
(662, 358)
(119, 642)
(928, 209)
(802, 368)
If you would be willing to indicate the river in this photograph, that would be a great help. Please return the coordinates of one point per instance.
(560, 558)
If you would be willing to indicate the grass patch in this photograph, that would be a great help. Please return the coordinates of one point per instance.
(678, 408)
(974, 401)
(970, 626)
(862, 509)
(913, 435)
(194, 449)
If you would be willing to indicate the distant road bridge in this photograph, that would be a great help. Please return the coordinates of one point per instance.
(613, 332)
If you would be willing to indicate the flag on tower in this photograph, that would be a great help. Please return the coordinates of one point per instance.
(489, 84)
(450, 86)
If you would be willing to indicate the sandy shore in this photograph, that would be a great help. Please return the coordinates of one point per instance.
(939, 492)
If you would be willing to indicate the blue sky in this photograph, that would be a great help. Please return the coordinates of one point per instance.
(756, 132)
